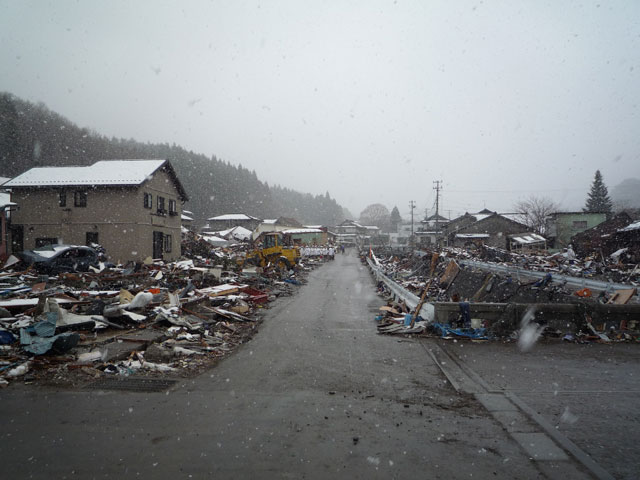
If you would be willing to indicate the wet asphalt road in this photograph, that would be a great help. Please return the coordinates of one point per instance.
(590, 393)
(316, 394)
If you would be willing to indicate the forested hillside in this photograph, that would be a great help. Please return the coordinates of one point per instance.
(32, 135)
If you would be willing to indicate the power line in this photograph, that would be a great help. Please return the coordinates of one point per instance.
(518, 191)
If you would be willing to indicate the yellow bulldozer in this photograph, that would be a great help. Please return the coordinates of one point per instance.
(272, 250)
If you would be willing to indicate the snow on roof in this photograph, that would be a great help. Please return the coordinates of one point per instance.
(528, 239)
(239, 233)
(233, 216)
(215, 240)
(629, 228)
(472, 235)
(516, 217)
(482, 216)
(104, 172)
(297, 231)
(186, 217)
(270, 221)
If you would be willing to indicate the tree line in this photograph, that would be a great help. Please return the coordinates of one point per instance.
(32, 135)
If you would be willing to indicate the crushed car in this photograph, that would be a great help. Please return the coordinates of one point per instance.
(58, 258)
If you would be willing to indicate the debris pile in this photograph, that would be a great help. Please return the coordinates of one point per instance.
(442, 277)
(414, 272)
(148, 319)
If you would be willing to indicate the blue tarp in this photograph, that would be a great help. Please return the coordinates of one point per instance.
(40, 337)
(475, 333)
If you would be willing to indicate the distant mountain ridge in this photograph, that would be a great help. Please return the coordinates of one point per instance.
(32, 135)
(627, 193)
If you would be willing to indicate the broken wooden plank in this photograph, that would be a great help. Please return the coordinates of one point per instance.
(450, 274)
(622, 297)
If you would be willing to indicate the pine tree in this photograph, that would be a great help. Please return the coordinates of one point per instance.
(598, 200)
(395, 219)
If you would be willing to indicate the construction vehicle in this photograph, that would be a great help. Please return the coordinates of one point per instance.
(273, 251)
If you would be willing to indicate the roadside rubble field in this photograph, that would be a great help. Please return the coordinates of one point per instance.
(516, 305)
(154, 320)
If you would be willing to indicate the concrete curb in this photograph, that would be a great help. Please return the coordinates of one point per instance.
(563, 441)
(465, 380)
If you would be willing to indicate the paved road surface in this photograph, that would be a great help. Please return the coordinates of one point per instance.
(590, 393)
(316, 394)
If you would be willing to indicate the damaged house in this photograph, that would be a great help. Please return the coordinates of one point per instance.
(130, 207)
(600, 239)
(488, 228)
(629, 238)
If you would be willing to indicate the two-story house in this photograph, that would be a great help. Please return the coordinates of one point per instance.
(561, 226)
(485, 228)
(130, 207)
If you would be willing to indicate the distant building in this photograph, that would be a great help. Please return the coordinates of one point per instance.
(307, 236)
(130, 207)
(276, 225)
(561, 226)
(350, 232)
(401, 238)
(187, 219)
(484, 228)
(230, 220)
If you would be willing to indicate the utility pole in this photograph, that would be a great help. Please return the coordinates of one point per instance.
(412, 206)
(437, 189)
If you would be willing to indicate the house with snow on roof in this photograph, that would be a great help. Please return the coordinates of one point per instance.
(491, 229)
(276, 225)
(130, 207)
(230, 220)
(187, 220)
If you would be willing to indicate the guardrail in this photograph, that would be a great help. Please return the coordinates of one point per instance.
(575, 282)
(427, 311)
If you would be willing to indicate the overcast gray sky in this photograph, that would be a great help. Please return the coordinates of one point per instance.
(369, 100)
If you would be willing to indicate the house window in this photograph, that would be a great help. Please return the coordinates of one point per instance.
(173, 210)
(62, 199)
(160, 202)
(92, 237)
(581, 224)
(167, 243)
(80, 199)
(42, 242)
(148, 200)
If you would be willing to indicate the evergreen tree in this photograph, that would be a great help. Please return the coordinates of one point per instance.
(395, 219)
(31, 135)
(598, 200)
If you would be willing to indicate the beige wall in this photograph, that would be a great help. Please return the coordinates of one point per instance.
(125, 228)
